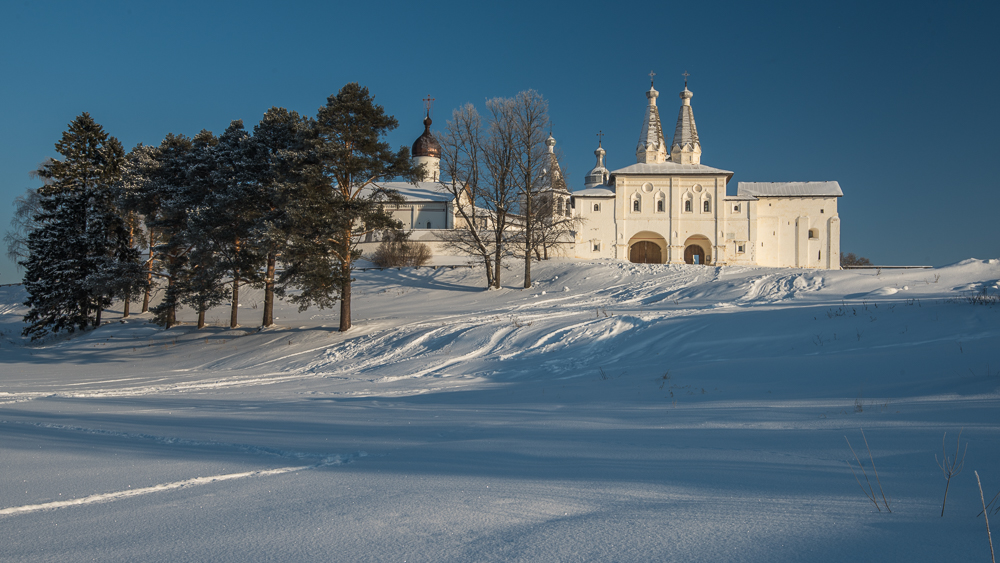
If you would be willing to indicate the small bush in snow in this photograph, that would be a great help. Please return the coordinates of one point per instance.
(396, 252)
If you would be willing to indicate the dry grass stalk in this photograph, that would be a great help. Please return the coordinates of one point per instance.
(951, 466)
(983, 500)
(870, 493)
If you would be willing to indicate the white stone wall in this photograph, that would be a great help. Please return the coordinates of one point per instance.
(597, 227)
(797, 232)
(416, 215)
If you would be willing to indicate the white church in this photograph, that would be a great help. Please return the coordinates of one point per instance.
(667, 208)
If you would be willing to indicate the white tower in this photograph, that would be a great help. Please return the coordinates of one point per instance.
(686, 149)
(598, 176)
(651, 148)
(427, 150)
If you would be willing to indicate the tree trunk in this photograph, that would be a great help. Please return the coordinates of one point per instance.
(149, 276)
(233, 314)
(201, 318)
(345, 286)
(172, 312)
(489, 272)
(527, 239)
(97, 320)
(269, 292)
(496, 269)
(128, 300)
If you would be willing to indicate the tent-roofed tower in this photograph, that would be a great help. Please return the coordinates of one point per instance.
(427, 150)
(686, 148)
(555, 195)
(652, 148)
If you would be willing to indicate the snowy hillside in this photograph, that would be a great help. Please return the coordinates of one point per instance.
(613, 412)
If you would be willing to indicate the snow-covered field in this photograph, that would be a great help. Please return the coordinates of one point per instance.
(613, 412)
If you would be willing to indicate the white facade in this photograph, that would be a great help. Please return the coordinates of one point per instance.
(670, 208)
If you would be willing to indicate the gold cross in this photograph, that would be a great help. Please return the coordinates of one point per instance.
(651, 75)
(600, 136)
(427, 104)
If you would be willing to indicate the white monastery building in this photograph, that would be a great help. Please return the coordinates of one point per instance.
(667, 208)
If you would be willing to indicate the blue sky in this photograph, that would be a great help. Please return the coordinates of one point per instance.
(895, 100)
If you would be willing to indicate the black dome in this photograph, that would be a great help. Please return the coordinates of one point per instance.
(426, 144)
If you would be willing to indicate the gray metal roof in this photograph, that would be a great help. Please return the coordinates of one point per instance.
(670, 167)
(789, 189)
(595, 192)
(739, 198)
(422, 191)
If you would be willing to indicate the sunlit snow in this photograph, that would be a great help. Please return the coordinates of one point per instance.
(612, 412)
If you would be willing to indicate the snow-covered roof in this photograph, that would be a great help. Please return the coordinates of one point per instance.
(739, 198)
(421, 191)
(670, 168)
(594, 192)
(789, 189)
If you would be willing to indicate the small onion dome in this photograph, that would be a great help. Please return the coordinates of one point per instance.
(686, 94)
(426, 144)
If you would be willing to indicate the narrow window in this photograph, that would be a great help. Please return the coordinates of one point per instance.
(819, 255)
(813, 233)
(708, 206)
(597, 246)
(659, 206)
(687, 206)
(820, 210)
(736, 208)
(428, 224)
(597, 207)
(635, 205)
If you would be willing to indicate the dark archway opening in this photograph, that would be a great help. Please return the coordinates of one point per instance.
(645, 252)
(694, 254)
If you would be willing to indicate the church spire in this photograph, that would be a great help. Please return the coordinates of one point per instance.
(598, 176)
(686, 148)
(651, 148)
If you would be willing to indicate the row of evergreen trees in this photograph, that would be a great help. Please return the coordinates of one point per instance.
(203, 216)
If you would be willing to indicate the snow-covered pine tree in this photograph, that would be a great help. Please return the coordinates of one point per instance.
(333, 210)
(80, 256)
(235, 211)
(137, 169)
(162, 196)
(282, 146)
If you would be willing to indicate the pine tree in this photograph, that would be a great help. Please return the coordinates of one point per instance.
(162, 197)
(335, 207)
(80, 256)
(282, 141)
(235, 210)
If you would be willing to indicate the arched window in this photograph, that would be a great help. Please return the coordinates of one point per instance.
(687, 205)
(659, 206)
(636, 205)
(597, 207)
(428, 224)
(708, 206)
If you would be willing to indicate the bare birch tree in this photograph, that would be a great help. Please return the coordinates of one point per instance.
(461, 154)
(496, 172)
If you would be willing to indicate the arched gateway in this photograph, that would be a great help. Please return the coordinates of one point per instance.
(696, 250)
(646, 248)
